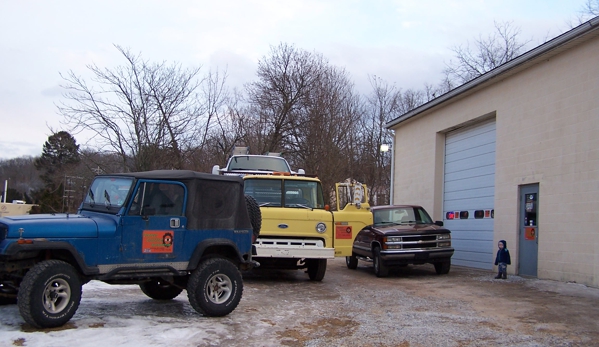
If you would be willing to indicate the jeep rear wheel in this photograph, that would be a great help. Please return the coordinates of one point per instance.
(316, 269)
(380, 269)
(215, 287)
(49, 294)
(160, 290)
(255, 215)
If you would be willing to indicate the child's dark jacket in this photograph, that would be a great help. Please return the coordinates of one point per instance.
(503, 255)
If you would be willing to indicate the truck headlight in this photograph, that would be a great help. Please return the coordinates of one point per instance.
(321, 228)
(444, 237)
(393, 239)
(444, 244)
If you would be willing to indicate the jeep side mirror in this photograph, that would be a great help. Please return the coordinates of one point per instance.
(439, 223)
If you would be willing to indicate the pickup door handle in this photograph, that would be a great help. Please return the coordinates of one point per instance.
(175, 223)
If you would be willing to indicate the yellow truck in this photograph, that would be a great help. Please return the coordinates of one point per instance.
(299, 231)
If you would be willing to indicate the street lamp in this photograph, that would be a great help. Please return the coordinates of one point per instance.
(389, 148)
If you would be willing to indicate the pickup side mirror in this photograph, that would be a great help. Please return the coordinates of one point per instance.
(216, 170)
(439, 223)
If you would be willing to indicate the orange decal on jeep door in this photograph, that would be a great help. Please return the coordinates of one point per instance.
(160, 241)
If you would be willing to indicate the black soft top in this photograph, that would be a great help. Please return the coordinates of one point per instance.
(178, 175)
(214, 201)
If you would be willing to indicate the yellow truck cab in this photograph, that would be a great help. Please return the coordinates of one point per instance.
(298, 229)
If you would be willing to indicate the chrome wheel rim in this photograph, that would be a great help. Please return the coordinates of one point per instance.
(57, 295)
(219, 288)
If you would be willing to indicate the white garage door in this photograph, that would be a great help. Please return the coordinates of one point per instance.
(469, 192)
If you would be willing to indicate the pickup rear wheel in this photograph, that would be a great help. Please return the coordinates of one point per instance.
(160, 290)
(316, 269)
(380, 269)
(215, 287)
(49, 294)
(443, 267)
(351, 262)
(255, 215)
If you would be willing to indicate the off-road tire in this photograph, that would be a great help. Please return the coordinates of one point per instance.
(316, 269)
(380, 269)
(160, 290)
(442, 268)
(255, 215)
(351, 262)
(49, 294)
(215, 287)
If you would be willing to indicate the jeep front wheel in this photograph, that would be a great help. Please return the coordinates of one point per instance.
(215, 287)
(160, 290)
(49, 294)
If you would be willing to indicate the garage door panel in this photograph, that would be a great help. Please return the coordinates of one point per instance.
(469, 185)
(469, 194)
(469, 132)
(467, 204)
(465, 151)
(469, 262)
(469, 164)
(461, 174)
(470, 231)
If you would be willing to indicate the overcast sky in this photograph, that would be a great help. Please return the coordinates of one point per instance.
(406, 42)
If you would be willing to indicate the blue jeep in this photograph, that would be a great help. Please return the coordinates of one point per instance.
(165, 230)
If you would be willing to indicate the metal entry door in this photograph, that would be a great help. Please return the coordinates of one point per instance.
(529, 230)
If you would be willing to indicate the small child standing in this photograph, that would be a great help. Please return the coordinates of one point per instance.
(502, 260)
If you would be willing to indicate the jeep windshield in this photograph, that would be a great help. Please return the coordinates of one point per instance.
(107, 193)
(285, 193)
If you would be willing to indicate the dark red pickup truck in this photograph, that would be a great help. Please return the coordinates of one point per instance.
(401, 235)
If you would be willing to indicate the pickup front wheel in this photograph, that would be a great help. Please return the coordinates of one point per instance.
(215, 287)
(49, 294)
(443, 267)
(380, 269)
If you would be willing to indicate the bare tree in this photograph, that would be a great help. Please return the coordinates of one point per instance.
(382, 105)
(285, 79)
(486, 54)
(587, 11)
(153, 115)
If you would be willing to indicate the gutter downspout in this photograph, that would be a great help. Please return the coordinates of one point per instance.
(392, 168)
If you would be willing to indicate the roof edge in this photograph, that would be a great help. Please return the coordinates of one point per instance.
(531, 55)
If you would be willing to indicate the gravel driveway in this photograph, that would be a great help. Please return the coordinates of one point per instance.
(415, 307)
(411, 307)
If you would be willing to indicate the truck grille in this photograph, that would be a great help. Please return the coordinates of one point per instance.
(421, 242)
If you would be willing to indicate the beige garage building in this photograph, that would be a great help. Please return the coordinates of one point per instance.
(514, 155)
